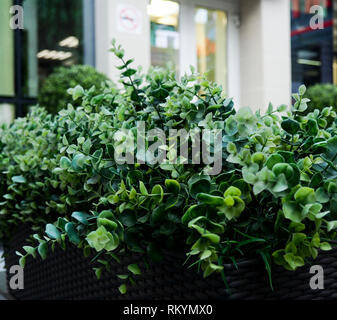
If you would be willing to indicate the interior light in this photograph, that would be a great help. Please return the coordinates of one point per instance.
(161, 8)
(54, 55)
(201, 16)
(309, 62)
(70, 42)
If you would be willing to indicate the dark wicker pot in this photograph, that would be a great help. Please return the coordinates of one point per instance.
(68, 275)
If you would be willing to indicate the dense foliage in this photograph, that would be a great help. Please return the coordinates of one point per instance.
(275, 197)
(321, 96)
(53, 94)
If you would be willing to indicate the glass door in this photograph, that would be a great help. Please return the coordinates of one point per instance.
(211, 40)
(188, 33)
(164, 20)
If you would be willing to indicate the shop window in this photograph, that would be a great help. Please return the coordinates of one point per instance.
(52, 37)
(7, 113)
(211, 35)
(164, 18)
(312, 50)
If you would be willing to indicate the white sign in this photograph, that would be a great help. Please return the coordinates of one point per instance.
(129, 19)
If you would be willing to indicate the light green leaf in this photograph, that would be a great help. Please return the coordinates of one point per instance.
(19, 179)
(122, 289)
(134, 269)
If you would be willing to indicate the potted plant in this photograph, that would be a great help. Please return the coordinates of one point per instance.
(161, 182)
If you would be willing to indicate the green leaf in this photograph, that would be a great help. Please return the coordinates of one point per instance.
(200, 186)
(214, 238)
(316, 180)
(302, 89)
(172, 186)
(331, 225)
(22, 261)
(98, 273)
(206, 254)
(97, 156)
(113, 198)
(61, 223)
(232, 191)
(72, 233)
(142, 188)
(86, 146)
(290, 126)
(30, 250)
(129, 72)
(312, 127)
(305, 195)
(122, 289)
(107, 223)
(231, 148)
(65, 163)
(193, 212)
(113, 242)
(128, 218)
(331, 150)
(270, 108)
(81, 217)
(282, 108)
(296, 227)
(274, 159)
(158, 214)
(212, 268)
(134, 269)
(210, 200)
(52, 232)
(43, 249)
(267, 261)
(325, 246)
(292, 211)
(315, 241)
(159, 192)
(231, 126)
(78, 92)
(294, 261)
(321, 195)
(281, 184)
(78, 162)
(19, 179)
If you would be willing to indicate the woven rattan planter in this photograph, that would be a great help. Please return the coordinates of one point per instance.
(68, 275)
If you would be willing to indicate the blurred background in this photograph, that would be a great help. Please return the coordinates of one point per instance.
(258, 50)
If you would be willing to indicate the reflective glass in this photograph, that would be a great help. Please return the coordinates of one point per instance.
(52, 37)
(7, 113)
(164, 17)
(211, 33)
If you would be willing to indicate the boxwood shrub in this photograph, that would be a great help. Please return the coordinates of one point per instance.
(321, 96)
(53, 94)
(274, 199)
